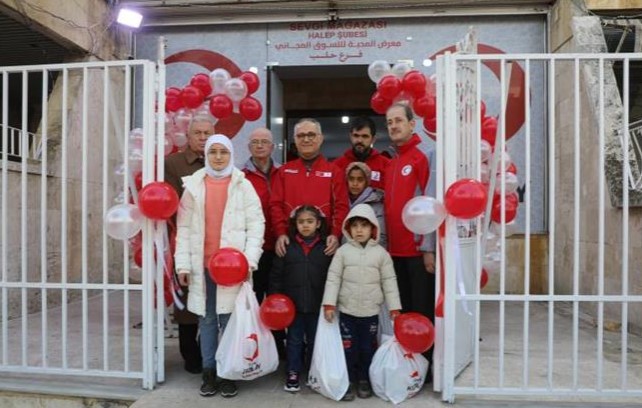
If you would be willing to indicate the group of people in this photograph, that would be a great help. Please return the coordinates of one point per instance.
(327, 234)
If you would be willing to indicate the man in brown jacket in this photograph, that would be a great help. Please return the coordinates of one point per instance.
(179, 165)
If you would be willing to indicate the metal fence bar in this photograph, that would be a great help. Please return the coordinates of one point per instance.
(125, 136)
(83, 230)
(527, 232)
(63, 222)
(576, 216)
(43, 216)
(450, 153)
(149, 265)
(478, 244)
(502, 268)
(23, 218)
(160, 175)
(601, 228)
(5, 218)
(551, 217)
(105, 240)
(625, 223)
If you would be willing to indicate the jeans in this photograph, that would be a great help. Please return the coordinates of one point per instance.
(211, 326)
(359, 335)
(304, 325)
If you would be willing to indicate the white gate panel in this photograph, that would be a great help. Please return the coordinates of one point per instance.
(71, 303)
(561, 321)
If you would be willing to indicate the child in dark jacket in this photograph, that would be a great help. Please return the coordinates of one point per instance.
(301, 275)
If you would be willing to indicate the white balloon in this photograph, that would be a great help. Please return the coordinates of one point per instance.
(485, 173)
(492, 262)
(400, 69)
(218, 78)
(378, 69)
(123, 221)
(236, 89)
(486, 151)
(512, 182)
(423, 214)
(180, 139)
(507, 160)
(168, 144)
(182, 119)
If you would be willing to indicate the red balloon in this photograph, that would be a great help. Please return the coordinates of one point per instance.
(173, 101)
(389, 86)
(414, 82)
(138, 256)
(228, 267)
(425, 106)
(158, 200)
(414, 332)
(192, 97)
(250, 108)
(379, 104)
(512, 169)
(466, 199)
(483, 279)
(202, 82)
(510, 208)
(251, 80)
(277, 311)
(439, 307)
(489, 129)
(221, 106)
(430, 124)
(138, 180)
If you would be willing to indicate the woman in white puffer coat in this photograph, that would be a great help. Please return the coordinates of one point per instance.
(219, 208)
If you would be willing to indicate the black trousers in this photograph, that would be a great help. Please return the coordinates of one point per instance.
(416, 288)
(189, 346)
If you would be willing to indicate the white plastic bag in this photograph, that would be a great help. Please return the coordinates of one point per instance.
(328, 370)
(396, 375)
(247, 349)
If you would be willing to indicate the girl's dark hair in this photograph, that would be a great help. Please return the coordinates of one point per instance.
(354, 220)
(317, 214)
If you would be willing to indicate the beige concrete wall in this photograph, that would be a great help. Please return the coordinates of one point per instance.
(86, 25)
(562, 41)
(82, 26)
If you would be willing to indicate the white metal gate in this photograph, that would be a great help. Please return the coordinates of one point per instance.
(70, 302)
(573, 335)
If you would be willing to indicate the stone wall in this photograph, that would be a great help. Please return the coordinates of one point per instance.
(91, 19)
(573, 31)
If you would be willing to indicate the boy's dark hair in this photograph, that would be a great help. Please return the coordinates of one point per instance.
(292, 231)
(361, 122)
(354, 220)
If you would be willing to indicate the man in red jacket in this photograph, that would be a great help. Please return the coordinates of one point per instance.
(408, 174)
(362, 138)
(260, 169)
(309, 179)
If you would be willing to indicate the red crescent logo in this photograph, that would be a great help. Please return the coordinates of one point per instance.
(516, 88)
(211, 60)
(255, 339)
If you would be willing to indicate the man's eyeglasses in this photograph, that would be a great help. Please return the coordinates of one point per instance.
(309, 136)
(261, 142)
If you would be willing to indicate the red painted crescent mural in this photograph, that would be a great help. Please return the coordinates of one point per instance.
(516, 88)
(211, 60)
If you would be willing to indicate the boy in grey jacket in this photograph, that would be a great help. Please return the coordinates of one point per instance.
(360, 277)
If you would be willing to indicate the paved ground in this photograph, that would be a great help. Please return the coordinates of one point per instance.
(181, 389)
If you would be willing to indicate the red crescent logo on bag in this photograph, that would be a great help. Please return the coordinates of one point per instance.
(253, 337)
(415, 374)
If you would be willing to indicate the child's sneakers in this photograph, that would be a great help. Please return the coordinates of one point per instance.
(228, 389)
(209, 387)
(292, 382)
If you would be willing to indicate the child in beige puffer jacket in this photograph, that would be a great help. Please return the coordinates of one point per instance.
(360, 278)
